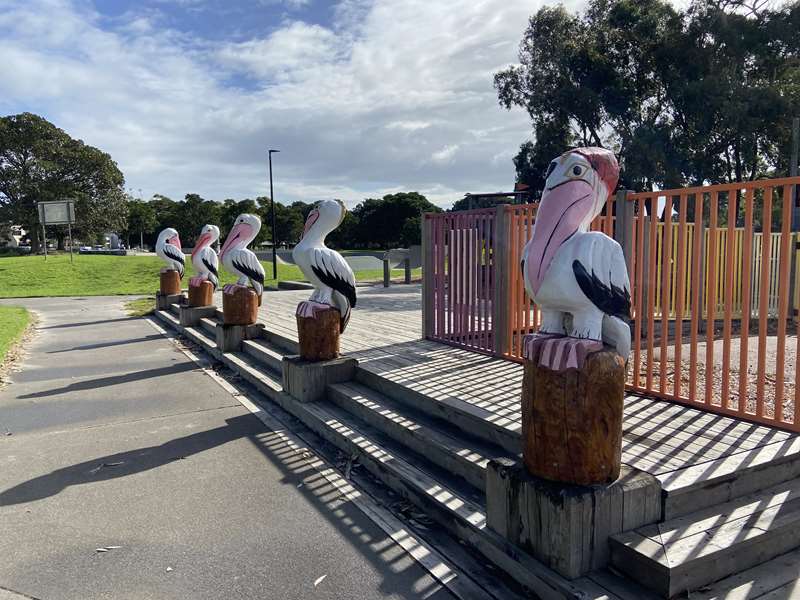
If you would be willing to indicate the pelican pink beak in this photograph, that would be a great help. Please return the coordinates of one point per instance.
(561, 212)
(175, 240)
(239, 231)
(202, 242)
(312, 218)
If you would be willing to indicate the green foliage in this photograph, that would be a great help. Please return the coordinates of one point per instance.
(40, 162)
(385, 223)
(684, 97)
(382, 223)
(13, 321)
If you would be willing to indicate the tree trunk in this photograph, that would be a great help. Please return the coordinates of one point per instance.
(60, 237)
(36, 243)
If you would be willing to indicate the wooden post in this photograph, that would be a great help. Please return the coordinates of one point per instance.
(170, 282)
(624, 230)
(386, 271)
(794, 166)
(240, 307)
(319, 335)
(794, 159)
(572, 420)
(427, 278)
(407, 269)
(201, 295)
(501, 297)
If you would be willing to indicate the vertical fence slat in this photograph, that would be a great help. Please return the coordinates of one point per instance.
(679, 295)
(638, 293)
(520, 284)
(763, 307)
(728, 295)
(666, 272)
(747, 256)
(783, 301)
(651, 289)
(711, 302)
(697, 284)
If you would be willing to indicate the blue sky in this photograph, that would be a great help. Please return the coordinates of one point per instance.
(362, 97)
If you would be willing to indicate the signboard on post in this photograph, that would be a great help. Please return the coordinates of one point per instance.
(57, 212)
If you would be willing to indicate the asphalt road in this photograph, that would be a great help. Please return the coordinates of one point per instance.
(111, 438)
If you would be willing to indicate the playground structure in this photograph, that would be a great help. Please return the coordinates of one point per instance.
(691, 258)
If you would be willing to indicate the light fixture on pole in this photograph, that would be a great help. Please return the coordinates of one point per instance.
(272, 215)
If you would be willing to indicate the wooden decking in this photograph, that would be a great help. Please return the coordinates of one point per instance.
(680, 445)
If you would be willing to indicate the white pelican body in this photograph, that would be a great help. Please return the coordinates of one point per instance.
(204, 259)
(240, 261)
(168, 249)
(569, 270)
(333, 279)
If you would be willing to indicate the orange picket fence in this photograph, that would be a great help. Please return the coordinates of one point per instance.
(684, 255)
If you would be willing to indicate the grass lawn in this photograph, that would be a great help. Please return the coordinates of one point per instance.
(13, 320)
(28, 276)
(141, 307)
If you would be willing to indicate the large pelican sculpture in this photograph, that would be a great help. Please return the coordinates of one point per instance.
(204, 259)
(240, 261)
(168, 249)
(577, 277)
(332, 278)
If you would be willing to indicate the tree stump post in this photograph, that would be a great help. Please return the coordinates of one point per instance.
(239, 306)
(572, 420)
(202, 294)
(170, 282)
(318, 328)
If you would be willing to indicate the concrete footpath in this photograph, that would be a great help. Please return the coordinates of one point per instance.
(127, 472)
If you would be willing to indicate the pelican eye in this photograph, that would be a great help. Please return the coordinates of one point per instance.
(577, 170)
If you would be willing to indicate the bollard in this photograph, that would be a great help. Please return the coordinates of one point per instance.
(407, 268)
(386, 272)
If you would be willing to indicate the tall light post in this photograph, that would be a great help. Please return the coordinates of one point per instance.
(272, 215)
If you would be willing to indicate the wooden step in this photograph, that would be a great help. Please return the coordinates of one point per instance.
(478, 422)
(168, 318)
(444, 445)
(264, 380)
(689, 552)
(714, 482)
(208, 343)
(265, 353)
(209, 325)
(439, 497)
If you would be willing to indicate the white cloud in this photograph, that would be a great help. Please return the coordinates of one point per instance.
(394, 95)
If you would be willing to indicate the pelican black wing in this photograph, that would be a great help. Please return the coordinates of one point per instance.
(609, 298)
(169, 250)
(345, 288)
(253, 274)
(214, 277)
(211, 268)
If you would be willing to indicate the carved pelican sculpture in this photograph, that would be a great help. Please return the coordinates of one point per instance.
(240, 261)
(204, 259)
(571, 271)
(332, 278)
(168, 249)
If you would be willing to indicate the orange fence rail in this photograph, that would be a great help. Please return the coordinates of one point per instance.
(715, 281)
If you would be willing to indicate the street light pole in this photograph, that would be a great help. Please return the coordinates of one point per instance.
(272, 214)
